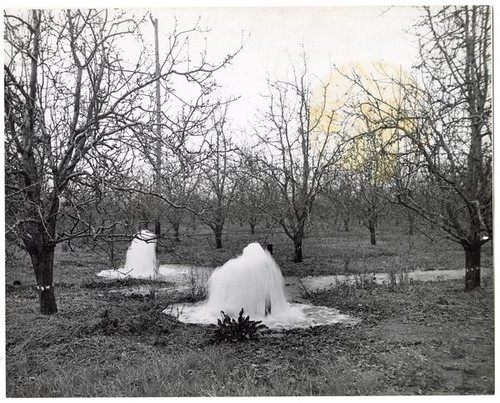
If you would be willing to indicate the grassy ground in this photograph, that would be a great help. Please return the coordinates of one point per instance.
(335, 253)
(414, 338)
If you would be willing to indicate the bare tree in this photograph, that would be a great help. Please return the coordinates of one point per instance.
(446, 125)
(219, 180)
(180, 188)
(341, 197)
(199, 173)
(71, 97)
(370, 202)
(185, 122)
(456, 63)
(66, 94)
(369, 163)
(253, 195)
(301, 146)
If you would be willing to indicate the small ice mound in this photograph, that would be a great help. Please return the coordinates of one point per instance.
(140, 261)
(252, 281)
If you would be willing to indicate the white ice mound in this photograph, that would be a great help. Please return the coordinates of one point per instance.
(253, 281)
(140, 261)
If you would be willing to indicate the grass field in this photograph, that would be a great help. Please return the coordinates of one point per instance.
(413, 338)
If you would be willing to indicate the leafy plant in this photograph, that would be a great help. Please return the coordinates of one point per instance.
(232, 330)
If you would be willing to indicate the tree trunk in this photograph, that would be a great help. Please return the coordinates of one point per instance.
(218, 237)
(269, 248)
(346, 223)
(158, 234)
(298, 250)
(472, 265)
(176, 227)
(112, 253)
(111, 243)
(252, 228)
(43, 264)
(373, 237)
(157, 229)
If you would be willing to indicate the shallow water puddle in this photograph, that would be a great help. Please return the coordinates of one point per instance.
(168, 272)
(305, 315)
(302, 316)
(322, 282)
(182, 277)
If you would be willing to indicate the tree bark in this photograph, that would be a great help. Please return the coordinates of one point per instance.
(297, 242)
(158, 234)
(38, 237)
(112, 252)
(472, 265)
(269, 248)
(43, 264)
(373, 236)
(218, 236)
(346, 221)
(176, 227)
(38, 240)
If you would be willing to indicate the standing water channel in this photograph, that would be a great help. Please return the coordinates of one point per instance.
(252, 281)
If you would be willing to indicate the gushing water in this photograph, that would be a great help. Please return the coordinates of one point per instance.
(141, 255)
(253, 281)
(140, 261)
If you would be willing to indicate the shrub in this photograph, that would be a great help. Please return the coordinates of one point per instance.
(398, 279)
(358, 281)
(232, 330)
(197, 284)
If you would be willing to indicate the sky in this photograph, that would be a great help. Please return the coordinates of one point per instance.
(275, 36)
(330, 32)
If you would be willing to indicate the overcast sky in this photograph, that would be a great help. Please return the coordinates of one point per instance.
(275, 35)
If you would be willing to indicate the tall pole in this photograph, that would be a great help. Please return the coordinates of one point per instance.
(158, 124)
(158, 137)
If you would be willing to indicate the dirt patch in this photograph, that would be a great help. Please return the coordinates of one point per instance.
(432, 338)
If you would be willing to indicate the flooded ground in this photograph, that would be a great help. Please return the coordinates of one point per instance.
(297, 286)
(182, 278)
(178, 278)
(300, 316)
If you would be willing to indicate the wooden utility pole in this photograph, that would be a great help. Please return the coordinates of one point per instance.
(158, 124)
